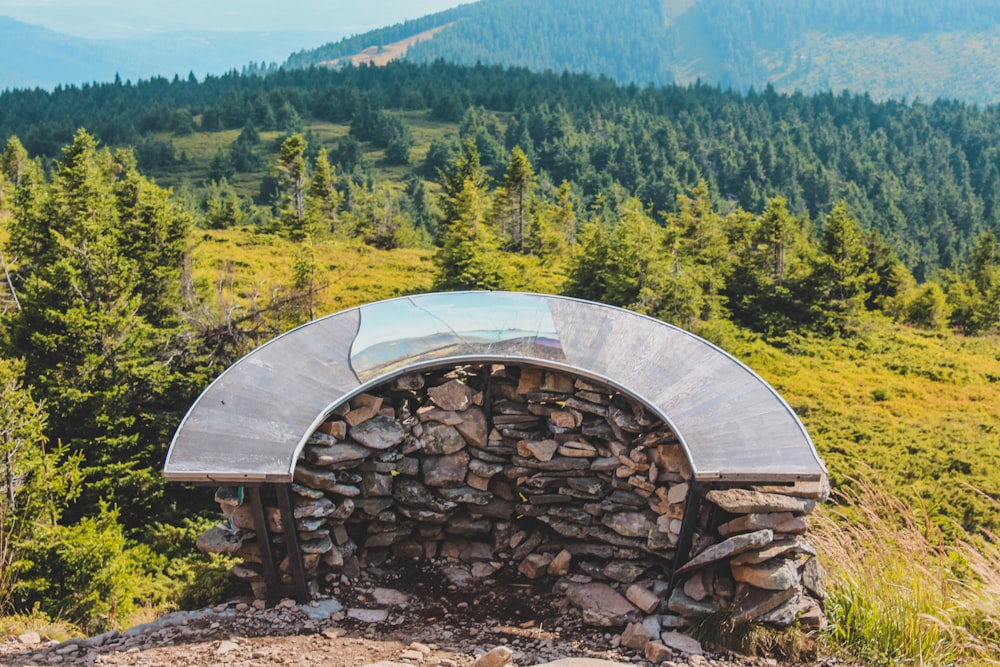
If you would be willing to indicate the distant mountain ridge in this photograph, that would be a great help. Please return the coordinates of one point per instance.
(887, 48)
(33, 56)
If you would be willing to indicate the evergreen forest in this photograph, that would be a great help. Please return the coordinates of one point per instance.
(898, 49)
(153, 232)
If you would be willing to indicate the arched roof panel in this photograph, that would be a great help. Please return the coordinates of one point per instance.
(250, 424)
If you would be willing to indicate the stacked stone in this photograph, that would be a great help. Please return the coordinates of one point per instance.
(486, 467)
(757, 563)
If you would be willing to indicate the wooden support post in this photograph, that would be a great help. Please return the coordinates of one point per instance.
(299, 583)
(692, 508)
(264, 541)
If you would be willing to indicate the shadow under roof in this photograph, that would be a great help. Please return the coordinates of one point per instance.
(251, 423)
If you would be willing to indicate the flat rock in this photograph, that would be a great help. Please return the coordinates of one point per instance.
(681, 642)
(458, 576)
(578, 449)
(624, 571)
(730, 547)
(379, 432)
(29, 638)
(410, 492)
(467, 495)
(643, 598)
(774, 575)
(752, 603)
(317, 478)
(814, 578)
(473, 427)
(743, 501)
(432, 413)
(543, 450)
(497, 657)
(390, 597)
(315, 509)
(368, 615)
(817, 490)
(679, 603)
(776, 549)
(601, 605)
(630, 524)
(440, 439)
(535, 565)
(635, 636)
(219, 540)
(452, 395)
(319, 545)
(469, 527)
(784, 614)
(446, 471)
(332, 455)
(306, 492)
(321, 610)
(555, 464)
(779, 522)
(476, 551)
(485, 469)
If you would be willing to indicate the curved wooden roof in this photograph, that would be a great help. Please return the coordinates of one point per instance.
(251, 423)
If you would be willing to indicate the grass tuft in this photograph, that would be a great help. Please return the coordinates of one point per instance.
(38, 621)
(898, 594)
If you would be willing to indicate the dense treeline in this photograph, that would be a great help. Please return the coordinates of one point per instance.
(740, 44)
(927, 177)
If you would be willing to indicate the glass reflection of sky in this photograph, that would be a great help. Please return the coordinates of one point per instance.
(396, 333)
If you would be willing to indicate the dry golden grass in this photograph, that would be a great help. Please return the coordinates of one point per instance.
(898, 593)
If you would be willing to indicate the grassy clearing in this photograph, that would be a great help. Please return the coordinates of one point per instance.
(350, 272)
(200, 148)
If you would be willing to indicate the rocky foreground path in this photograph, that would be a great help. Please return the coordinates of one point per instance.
(371, 624)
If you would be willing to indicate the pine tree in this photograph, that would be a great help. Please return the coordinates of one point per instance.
(838, 287)
(322, 197)
(101, 251)
(463, 172)
(292, 179)
(513, 201)
(14, 162)
(469, 256)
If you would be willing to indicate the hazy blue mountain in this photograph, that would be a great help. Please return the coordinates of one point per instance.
(888, 48)
(33, 56)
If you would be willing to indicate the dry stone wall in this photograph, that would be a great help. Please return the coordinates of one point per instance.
(494, 469)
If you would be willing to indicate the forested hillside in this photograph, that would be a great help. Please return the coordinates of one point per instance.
(925, 176)
(889, 49)
(846, 249)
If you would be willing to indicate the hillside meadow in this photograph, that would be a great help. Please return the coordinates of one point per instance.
(803, 290)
